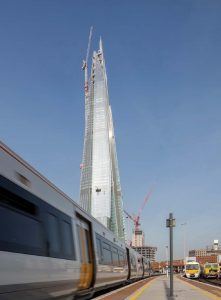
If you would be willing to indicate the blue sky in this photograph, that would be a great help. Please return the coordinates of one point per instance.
(164, 69)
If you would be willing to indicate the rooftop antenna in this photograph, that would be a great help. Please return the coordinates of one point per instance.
(85, 65)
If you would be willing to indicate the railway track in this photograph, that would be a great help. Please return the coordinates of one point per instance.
(213, 281)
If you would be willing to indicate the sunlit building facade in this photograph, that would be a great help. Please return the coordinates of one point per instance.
(138, 238)
(147, 251)
(100, 189)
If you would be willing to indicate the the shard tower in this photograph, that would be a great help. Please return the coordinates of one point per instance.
(100, 189)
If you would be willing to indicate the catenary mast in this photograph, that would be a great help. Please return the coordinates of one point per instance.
(100, 189)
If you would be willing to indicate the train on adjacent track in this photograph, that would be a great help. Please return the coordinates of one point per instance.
(210, 270)
(49, 246)
(192, 269)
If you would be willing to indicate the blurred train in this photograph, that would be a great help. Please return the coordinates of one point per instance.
(49, 246)
(192, 269)
(210, 270)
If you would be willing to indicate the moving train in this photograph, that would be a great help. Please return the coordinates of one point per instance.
(49, 246)
(192, 269)
(210, 270)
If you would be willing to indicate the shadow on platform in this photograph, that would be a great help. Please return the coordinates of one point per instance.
(167, 291)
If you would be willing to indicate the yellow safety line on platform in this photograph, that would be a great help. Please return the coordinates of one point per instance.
(140, 291)
(208, 294)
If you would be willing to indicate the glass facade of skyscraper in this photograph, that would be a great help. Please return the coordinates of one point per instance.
(100, 190)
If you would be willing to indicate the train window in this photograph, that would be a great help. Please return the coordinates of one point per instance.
(99, 253)
(67, 240)
(106, 246)
(54, 239)
(80, 241)
(121, 258)
(84, 242)
(27, 223)
(133, 262)
(115, 256)
(87, 243)
(14, 201)
(20, 230)
(107, 257)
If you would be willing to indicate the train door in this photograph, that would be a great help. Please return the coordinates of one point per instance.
(143, 266)
(86, 254)
(129, 264)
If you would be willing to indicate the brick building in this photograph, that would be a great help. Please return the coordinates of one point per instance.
(206, 259)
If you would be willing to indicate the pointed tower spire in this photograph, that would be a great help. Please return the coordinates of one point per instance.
(100, 45)
(100, 189)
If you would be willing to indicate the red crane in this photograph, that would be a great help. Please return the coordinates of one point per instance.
(136, 218)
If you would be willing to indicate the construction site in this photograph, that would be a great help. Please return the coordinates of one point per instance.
(138, 235)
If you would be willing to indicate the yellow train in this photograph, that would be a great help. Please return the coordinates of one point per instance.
(192, 269)
(219, 273)
(210, 270)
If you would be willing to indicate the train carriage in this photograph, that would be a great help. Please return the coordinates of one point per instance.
(49, 246)
(38, 254)
(192, 269)
(210, 270)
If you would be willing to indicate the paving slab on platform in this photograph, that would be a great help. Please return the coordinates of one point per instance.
(159, 289)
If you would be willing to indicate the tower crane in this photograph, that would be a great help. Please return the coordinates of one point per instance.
(85, 65)
(85, 69)
(136, 218)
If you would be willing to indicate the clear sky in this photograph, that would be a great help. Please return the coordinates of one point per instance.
(163, 62)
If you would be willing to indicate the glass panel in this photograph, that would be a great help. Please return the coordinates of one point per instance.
(79, 241)
(19, 229)
(67, 239)
(115, 257)
(98, 243)
(54, 240)
(87, 246)
(122, 259)
(107, 258)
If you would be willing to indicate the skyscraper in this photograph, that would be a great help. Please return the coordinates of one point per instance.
(100, 189)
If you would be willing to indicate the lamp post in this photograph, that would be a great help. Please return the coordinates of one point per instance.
(170, 223)
(184, 240)
(167, 260)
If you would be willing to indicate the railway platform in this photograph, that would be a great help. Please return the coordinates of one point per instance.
(158, 289)
(183, 290)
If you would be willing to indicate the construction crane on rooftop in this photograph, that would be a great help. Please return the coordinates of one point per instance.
(85, 64)
(85, 69)
(136, 218)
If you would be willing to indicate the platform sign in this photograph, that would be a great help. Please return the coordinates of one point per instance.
(170, 223)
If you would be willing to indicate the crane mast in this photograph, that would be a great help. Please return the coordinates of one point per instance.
(85, 65)
(136, 218)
